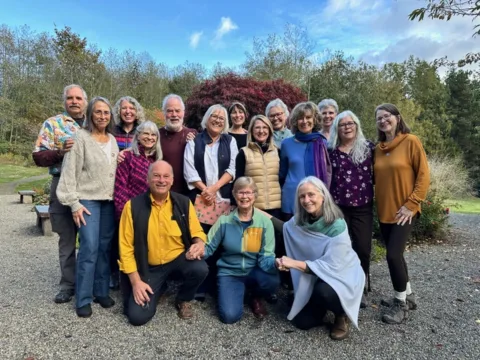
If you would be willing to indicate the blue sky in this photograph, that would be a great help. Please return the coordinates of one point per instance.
(208, 32)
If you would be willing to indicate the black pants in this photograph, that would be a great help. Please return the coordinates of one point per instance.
(63, 224)
(279, 242)
(395, 238)
(360, 226)
(323, 298)
(115, 251)
(192, 272)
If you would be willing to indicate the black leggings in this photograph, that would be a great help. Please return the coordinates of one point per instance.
(395, 238)
(360, 225)
(323, 298)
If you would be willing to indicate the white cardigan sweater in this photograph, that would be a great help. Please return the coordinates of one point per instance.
(86, 173)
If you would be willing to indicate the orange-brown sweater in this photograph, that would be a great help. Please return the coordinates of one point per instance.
(402, 176)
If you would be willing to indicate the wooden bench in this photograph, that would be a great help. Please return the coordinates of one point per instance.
(43, 219)
(27, 193)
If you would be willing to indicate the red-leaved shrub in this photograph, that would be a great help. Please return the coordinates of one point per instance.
(253, 93)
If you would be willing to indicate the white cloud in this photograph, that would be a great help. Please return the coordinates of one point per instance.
(195, 39)
(226, 25)
(380, 31)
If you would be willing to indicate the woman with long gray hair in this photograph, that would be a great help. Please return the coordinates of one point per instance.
(326, 272)
(352, 183)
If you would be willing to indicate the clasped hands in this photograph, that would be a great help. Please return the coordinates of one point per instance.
(284, 263)
(196, 251)
(209, 194)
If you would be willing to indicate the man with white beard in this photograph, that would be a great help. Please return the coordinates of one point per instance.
(173, 139)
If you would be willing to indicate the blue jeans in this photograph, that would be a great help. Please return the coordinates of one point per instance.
(93, 258)
(231, 291)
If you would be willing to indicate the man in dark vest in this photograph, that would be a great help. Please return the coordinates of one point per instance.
(160, 235)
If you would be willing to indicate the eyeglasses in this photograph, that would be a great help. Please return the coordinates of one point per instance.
(273, 116)
(100, 112)
(347, 125)
(217, 118)
(384, 118)
(245, 193)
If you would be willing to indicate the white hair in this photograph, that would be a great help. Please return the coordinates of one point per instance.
(330, 211)
(73, 86)
(328, 102)
(171, 96)
(277, 103)
(209, 113)
(360, 148)
(153, 128)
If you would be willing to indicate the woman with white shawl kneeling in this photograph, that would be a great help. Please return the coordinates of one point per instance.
(326, 271)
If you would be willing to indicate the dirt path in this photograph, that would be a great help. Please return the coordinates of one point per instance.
(9, 188)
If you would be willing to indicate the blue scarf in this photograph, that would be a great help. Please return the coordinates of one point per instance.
(317, 162)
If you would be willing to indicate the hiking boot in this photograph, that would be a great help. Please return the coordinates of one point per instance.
(104, 301)
(397, 313)
(64, 296)
(411, 302)
(341, 327)
(84, 311)
(184, 310)
(258, 308)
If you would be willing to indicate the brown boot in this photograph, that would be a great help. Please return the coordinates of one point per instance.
(341, 328)
(184, 310)
(258, 308)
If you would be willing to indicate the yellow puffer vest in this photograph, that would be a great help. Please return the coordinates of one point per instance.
(263, 169)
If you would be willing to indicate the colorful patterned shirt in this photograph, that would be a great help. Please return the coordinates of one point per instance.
(352, 185)
(53, 134)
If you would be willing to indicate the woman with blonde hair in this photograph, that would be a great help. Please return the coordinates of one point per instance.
(260, 161)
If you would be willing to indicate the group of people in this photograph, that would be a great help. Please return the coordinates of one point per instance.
(229, 209)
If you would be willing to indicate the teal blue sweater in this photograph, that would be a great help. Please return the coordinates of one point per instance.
(242, 250)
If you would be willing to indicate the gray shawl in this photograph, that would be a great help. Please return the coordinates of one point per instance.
(332, 259)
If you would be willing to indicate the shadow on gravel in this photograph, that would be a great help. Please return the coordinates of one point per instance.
(30, 230)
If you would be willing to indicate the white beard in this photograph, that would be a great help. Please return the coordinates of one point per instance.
(173, 128)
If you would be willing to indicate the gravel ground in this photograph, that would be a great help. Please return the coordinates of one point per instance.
(445, 278)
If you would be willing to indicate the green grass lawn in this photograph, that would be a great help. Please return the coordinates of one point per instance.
(465, 206)
(38, 184)
(10, 173)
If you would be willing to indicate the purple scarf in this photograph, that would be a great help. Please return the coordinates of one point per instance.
(317, 162)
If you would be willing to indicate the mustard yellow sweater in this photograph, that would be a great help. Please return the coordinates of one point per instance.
(402, 176)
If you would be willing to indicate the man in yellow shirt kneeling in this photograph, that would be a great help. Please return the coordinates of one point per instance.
(159, 235)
